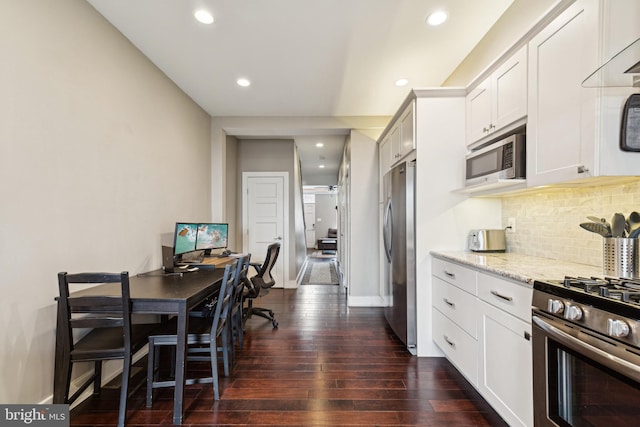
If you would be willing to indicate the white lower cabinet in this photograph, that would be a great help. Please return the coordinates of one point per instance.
(505, 377)
(459, 347)
(482, 323)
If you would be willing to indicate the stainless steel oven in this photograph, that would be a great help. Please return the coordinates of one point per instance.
(586, 353)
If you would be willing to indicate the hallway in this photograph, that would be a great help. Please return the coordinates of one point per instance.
(326, 365)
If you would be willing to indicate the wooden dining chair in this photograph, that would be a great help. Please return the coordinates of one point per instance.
(237, 311)
(111, 333)
(202, 341)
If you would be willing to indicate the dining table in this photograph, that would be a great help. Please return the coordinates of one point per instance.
(160, 293)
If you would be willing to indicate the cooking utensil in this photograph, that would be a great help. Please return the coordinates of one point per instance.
(635, 233)
(618, 223)
(634, 221)
(599, 220)
(597, 228)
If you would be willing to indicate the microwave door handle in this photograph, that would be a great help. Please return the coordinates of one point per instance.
(621, 366)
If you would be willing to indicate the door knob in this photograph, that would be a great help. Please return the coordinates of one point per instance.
(278, 238)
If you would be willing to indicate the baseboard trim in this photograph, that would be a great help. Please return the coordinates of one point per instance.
(365, 301)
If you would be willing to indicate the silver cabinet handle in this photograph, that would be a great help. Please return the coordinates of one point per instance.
(451, 343)
(496, 293)
(452, 275)
(449, 303)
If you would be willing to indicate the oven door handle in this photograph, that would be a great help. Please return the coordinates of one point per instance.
(611, 361)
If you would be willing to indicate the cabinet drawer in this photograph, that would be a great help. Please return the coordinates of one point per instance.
(458, 305)
(459, 347)
(457, 275)
(509, 296)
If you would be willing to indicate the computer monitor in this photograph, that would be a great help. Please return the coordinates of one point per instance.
(212, 236)
(184, 238)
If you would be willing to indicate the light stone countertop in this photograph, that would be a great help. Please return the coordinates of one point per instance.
(522, 268)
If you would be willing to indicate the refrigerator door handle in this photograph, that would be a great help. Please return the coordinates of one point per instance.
(387, 234)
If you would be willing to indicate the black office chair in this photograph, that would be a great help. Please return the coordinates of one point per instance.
(112, 334)
(259, 285)
(202, 340)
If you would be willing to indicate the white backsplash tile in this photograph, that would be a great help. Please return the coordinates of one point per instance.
(548, 222)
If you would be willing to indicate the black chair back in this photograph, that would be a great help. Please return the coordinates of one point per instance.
(264, 278)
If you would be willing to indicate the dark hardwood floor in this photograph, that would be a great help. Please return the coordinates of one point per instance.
(326, 365)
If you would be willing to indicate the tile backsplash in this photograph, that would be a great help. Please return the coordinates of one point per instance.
(547, 222)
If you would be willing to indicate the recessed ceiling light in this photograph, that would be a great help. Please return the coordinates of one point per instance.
(203, 16)
(321, 166)
(402, 82)
(437, 18)
(319, 144)
(243, 82)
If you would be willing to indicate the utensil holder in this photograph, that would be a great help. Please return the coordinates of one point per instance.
(621, 257)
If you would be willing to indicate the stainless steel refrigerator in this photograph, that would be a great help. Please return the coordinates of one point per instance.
(400, 249)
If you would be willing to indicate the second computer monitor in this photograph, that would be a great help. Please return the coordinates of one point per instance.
(212, 235)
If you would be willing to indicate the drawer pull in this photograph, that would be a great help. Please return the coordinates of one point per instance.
(452, 275)
(496, 293)
(451, 343)
(449, 303)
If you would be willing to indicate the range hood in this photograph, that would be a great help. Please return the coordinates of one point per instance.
(622, 70)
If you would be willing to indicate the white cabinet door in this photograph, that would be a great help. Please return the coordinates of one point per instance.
(560, 128)
(385, 155)
(510, 90)
(505, 377)
(407, 131)
(395, 140)
(384, 162)
(479, 112)
(500, 100)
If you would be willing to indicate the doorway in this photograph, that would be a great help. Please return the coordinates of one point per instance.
(265, 201)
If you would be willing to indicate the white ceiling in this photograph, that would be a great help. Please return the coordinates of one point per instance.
(320, 58)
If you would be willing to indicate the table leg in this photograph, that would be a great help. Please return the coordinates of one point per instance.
(181, 364)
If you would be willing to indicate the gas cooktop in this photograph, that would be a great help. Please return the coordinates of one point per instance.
(600, 304)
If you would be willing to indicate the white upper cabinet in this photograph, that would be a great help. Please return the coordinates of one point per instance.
(403, 134)
(573, 131)
(498, 101)
(407, 142)
(399, 140)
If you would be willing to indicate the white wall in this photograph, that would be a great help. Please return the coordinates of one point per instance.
(443, 217)
(326, 214)
(100, 154)
(277, 155)
(363, 227)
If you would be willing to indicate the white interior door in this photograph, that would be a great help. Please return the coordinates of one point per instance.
(310, 226)
(264, 218)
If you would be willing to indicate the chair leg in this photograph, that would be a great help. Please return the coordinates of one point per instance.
(213, 348)
(66, 370)
(238, 326)
(97, 382)
(124, 390)
(152, 362)
(225, 350)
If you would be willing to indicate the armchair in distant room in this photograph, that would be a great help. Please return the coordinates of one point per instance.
(329, 244)
(259, 285)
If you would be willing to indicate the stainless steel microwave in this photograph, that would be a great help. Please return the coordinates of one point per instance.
(503, 159)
